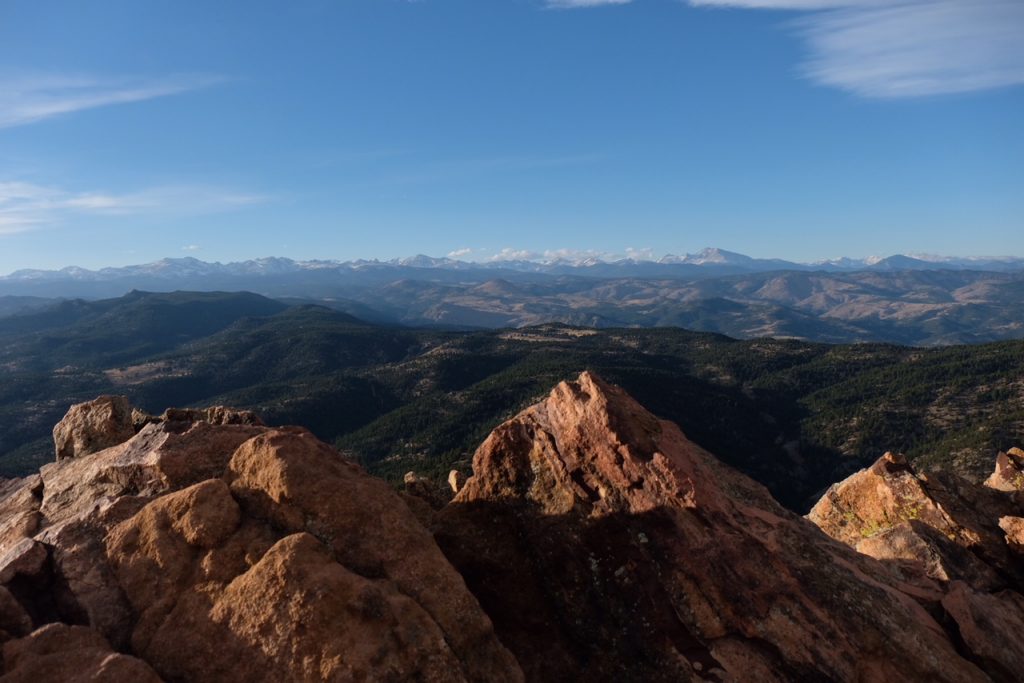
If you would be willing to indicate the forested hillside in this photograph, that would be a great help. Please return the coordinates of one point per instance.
(796, 416)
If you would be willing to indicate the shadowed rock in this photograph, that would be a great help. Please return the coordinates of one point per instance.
(71, 654)
(963, 535)
(606, 546)
(593, 541)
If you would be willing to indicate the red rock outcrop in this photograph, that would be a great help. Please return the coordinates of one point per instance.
(208, 547)
(593, 541)
(963, 535)
(1009, 473)
(606, 546)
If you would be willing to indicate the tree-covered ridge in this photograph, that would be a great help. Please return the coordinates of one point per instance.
(795, 415)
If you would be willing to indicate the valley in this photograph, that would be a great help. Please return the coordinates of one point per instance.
(796, 416)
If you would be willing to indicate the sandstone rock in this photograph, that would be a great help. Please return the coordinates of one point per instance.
(25, 558)
(160, 458)
(456, 480)
(593, 541)
(72, 654)
(84, 589)
(605, 545)
(1009, 472)
(1014, 528)
(947, 524)
(876, 500)
(967, 536)
(14, 620)
(19, 510)
(426, 490)
(353, 628)
(146, 543)
(989, 625)
(93, 426)
(292, 480)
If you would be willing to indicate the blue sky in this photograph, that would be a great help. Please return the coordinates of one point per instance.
(802, 129)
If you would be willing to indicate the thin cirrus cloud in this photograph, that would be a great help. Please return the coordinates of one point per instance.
(27, 206)
(27, 98)
(579, 4)
(906, 48)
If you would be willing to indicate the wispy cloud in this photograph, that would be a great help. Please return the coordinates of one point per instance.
(27, 206)
(790, 4)
(30, 97)
(907, 48)
(577, 4)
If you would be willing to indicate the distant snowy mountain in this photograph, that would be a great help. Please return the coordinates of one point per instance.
(288, 277)
(710, 256)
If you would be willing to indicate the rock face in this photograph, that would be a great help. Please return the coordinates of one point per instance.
(593, 541)
(207, 547)
(966, 537)
(606, 546)
(75, 654)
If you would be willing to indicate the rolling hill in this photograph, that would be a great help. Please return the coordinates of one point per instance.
(795, 415)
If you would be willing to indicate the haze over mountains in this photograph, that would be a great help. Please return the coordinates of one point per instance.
(901, 299)
(708, 262)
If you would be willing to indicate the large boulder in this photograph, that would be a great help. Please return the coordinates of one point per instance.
(216, 549)
(301, 485)
(606, 546)
(1009, 471)
(943, 523)
(966, 536)
(92, 426)
(70, 654)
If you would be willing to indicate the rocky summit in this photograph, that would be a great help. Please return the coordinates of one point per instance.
(593, 541)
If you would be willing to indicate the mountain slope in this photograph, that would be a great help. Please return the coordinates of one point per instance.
(899, 300)
(793, 415)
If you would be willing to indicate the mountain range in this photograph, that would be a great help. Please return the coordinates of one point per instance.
(922, 304)
(707, 262)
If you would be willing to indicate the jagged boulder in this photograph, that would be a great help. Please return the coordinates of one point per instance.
(1009, 472)
(221, 550)
(426, 489)
(1014, 528)
(293, 480)
(943, 523)
(163, 457)
(92, 426)
(606, 546)
(966, 536)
